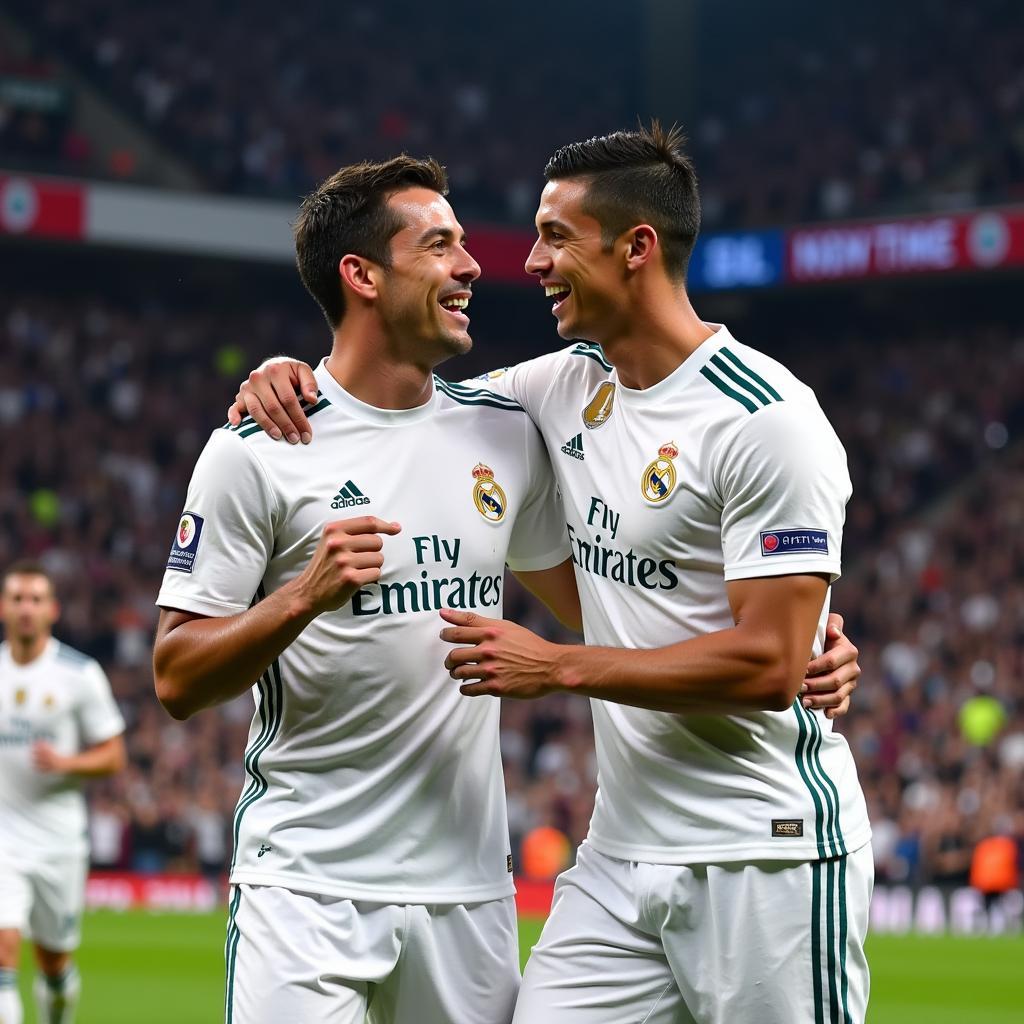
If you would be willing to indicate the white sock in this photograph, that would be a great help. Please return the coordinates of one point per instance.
(57, 998)
(10, 1000)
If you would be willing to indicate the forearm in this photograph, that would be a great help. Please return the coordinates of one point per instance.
(104, 759)
(206, 661)
(730, 671)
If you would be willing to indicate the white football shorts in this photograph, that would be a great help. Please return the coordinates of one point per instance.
(44, 899)
(747, 943)
(324, 960)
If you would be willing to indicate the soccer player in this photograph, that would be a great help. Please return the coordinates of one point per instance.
(58, 725)
(371, 876)
(727, 871)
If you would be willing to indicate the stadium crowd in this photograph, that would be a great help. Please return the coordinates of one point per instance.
(834, 112)
(105, 407)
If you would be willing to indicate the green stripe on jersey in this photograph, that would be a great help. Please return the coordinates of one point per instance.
(736, 361)
(819, 1003)
(726, 390)
(230, 954)
(725, 368)
(246, 430)
(592, 351)
(271, 701)
(844, 980)
(835, 835)
(473, 396)
(801, 745)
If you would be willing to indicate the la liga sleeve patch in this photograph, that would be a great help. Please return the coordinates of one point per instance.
(807, 540)
(186, 543)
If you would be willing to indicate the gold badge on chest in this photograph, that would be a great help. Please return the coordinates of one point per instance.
(659, 479)
(599, 409)
(488, 496)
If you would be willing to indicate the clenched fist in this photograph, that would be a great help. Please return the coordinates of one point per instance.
(347, 557)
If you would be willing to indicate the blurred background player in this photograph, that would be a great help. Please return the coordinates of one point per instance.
(58, 725)
(372, 874)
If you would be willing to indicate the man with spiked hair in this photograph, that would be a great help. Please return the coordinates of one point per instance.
(727, 871)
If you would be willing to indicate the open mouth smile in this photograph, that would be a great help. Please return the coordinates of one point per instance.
(454, 305)
(558, 292)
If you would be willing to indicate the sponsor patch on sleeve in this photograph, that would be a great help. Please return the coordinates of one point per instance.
(794, 542)
(186, 543)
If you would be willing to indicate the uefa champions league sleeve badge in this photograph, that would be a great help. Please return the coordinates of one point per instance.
(659, 478)
(186, 543)
(488, 496)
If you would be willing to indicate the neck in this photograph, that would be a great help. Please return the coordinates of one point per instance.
(24, 650)
(661, 331)
(367, 366)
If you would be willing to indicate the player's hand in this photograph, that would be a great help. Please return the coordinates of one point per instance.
(47, 760)
(271, 397)
(832, 676)
(502, 658)
(347, 557)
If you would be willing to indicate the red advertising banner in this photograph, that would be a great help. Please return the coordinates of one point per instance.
(41, 208)
(111, 890)
(117, 890)
(986, 240)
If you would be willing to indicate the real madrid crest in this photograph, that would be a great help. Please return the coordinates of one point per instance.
(659, 477)
(599, 408)
(488, 496)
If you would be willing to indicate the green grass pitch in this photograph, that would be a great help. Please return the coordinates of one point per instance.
(167, 969)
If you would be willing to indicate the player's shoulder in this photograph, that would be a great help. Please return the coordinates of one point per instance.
(254, 435)
(73, 660)
(475, 394)
(737, 382)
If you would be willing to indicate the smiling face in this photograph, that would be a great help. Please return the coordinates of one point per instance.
(423, 295)
(29, 608)
(582, 275)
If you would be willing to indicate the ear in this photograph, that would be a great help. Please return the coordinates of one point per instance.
(642, 243)
(359, 275)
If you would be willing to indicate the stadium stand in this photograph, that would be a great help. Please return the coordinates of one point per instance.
(845, 113)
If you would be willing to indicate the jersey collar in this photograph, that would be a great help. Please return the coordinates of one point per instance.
(351, 405)
(681, 375)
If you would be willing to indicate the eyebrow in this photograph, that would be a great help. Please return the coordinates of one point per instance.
(556, 225)
(446, 233)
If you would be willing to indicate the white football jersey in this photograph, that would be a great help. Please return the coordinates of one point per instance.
(727, 469)
(61, 698)
(368, 775)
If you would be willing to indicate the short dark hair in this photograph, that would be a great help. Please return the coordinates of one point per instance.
(348, 213)
(26, 567)
(637, 177)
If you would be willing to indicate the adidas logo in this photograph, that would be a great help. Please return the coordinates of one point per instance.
(348, 496)
(574, 447)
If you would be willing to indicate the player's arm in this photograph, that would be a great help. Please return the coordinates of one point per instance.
(271, 393)
(105, 758)
(556, 588)
(200, 661)
(757, 665)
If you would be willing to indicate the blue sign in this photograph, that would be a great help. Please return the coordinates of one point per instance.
(740, 259)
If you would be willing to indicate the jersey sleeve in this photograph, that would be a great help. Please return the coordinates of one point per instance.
(784, 486)
(99, 718)
(527, 383)
(225, 535)
(539, 538)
